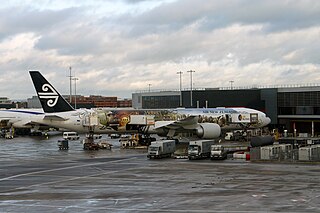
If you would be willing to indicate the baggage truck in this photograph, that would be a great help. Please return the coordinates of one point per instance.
(161, 149)
(218, 152)
(199, 149)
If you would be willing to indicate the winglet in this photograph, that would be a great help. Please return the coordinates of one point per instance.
(51, 100)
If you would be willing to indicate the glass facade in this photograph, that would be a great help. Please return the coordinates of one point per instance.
(160, 102)
(299, 103)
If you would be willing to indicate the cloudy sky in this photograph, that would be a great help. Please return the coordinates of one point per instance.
(118, 47)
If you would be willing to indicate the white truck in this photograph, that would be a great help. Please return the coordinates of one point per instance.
(199, 149)
(162, 148)
(218, 152)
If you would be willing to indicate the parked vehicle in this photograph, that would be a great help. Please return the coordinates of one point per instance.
(63, 144)
(160, 149)
(199, 149)
(218, 152)
(104, 145)
(70, 136)
(95, 136)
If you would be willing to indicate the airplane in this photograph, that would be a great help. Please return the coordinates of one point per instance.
(204, 123)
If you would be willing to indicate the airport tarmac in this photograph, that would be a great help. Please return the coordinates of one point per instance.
(36, 177)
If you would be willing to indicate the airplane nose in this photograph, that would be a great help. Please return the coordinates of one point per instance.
(267, 121)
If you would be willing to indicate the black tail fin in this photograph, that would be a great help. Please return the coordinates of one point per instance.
(50, 99)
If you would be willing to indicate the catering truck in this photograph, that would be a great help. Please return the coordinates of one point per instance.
(218, 152)
(199, 149)
(161, 149)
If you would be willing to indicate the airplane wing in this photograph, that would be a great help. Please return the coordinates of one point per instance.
(54, 117)
(187, 123)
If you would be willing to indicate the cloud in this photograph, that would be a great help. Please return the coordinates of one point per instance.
(17, 20)
(274, 16)
(119, 47)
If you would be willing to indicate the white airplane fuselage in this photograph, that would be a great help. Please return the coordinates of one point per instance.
(76, 120)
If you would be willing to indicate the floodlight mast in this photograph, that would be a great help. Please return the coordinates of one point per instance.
(191, 71)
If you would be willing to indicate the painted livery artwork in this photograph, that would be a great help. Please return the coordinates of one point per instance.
(120, 119)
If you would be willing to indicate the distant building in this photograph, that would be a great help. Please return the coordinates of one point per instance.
(6, 103)
(92, 101)
(124, 103)
(156, 100)
(96, 101)
(33, 102)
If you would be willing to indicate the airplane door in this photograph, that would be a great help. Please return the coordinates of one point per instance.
(254, 118)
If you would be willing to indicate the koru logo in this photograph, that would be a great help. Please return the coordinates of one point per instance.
(50, 94)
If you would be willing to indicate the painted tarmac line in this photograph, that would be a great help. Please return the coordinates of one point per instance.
(64, 168)
(24, 205)
(77, 178)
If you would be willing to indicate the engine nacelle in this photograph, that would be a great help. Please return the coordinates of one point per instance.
(208, 130)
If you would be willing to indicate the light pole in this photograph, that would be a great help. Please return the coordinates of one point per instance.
(180, 73)
(191, 71)
(231, 82)
(75, 91)
(149, 86)
(70, 77)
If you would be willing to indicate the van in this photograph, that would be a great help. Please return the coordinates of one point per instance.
(70, 136)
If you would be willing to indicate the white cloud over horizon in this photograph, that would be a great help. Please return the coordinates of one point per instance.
(118, 47)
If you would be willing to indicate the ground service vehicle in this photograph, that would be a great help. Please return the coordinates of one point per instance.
(218, 152)
(63, 144)
(199, 149)
(70, 136)
(162, 148)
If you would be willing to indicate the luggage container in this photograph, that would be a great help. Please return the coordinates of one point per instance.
(309, 153)
(270, 152)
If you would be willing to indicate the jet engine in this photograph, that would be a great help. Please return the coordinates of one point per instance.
(208, 130)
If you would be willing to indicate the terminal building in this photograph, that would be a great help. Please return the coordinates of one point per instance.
(294, 108)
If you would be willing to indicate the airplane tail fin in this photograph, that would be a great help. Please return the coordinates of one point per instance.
(51, 100)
